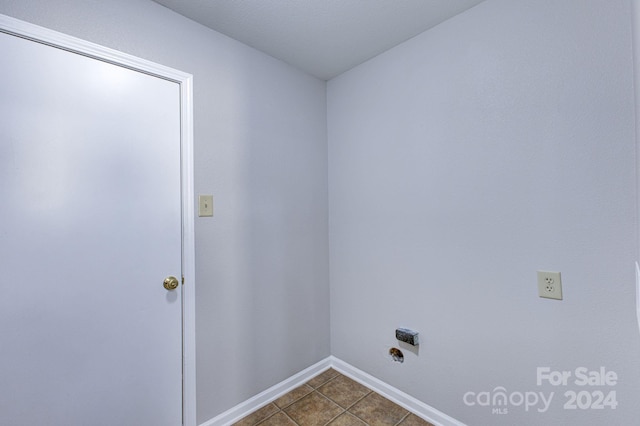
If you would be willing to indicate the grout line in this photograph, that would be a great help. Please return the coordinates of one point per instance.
(295, 400)
(325, 382)
(357, 417)
(354, 414)
(333, 402)
(344, 409)
(403, 419)
(335, 417)
(358, 400)
(327, 398)
(342, 412)
(265, 419)
(289, 417)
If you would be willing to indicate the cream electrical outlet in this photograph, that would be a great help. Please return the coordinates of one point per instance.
(205, 205)
(549, 285)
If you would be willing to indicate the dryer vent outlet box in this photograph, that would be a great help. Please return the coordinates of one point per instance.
(407, 336)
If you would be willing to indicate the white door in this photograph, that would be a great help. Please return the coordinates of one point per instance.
(90, 226)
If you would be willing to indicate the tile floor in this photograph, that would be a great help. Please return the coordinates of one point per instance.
(334, 400)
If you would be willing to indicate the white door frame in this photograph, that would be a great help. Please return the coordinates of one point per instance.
(53, 38)
(635, 26)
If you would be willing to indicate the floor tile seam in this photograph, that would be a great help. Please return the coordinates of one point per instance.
(337, 373)
(342, 410)
(295, 400)
(322, 396)
(354, 404)
(267, 418)
(317, 390)
(331, 399)
(324, 383)
(289, 417)
(403, 419)
(358, 417)
(364, 421)
(336, 416)
(328, 399)
(358, 400)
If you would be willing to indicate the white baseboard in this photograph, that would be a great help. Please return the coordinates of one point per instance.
(404, 400)
(249, 406)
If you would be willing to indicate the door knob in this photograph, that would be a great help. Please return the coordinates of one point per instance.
(170, 283)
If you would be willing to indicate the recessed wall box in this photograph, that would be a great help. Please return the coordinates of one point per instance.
(407, 336)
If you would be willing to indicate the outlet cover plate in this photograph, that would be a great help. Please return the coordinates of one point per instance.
(549, 285)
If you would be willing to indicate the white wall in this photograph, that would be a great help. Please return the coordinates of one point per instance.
(260, 148)
(499, 143)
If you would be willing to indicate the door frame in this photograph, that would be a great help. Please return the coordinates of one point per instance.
(59, 40)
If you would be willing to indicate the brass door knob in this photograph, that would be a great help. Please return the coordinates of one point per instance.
(170, 283)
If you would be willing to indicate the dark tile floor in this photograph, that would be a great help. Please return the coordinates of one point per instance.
(334, 400)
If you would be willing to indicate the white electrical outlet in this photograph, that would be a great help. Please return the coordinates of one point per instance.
(549, 285)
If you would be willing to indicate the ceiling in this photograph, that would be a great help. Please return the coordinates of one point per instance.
(321, 37)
